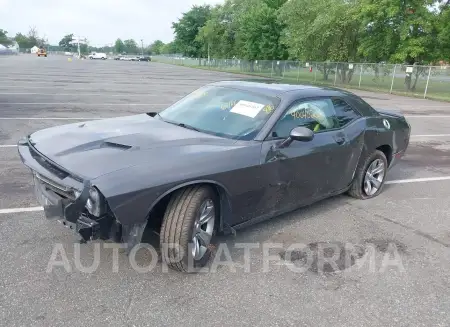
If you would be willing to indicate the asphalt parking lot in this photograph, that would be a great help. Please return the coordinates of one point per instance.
(410, 219)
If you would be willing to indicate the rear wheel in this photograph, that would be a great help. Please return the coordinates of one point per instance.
(369, 177)
(188, 228)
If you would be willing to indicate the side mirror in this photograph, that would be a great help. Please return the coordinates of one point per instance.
(301, 134)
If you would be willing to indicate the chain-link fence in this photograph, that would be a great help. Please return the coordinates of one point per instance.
(424, 81)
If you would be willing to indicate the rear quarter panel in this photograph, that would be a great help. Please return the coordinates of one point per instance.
(377, 134)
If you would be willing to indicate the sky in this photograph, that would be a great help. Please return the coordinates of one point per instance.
(100, 21)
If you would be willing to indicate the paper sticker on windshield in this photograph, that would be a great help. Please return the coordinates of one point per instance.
(247, 108)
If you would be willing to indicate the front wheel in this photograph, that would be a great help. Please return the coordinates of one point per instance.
(188, 228)
(369, 177)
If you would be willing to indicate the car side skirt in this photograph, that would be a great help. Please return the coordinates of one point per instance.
(271, 215)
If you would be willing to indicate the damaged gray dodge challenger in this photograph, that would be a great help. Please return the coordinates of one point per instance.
(229, 154)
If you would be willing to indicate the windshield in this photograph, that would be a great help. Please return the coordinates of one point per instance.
(222, 111)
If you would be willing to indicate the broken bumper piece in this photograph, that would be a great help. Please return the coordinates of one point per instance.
(64, 196)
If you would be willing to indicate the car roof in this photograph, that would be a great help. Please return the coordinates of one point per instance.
(278, 89)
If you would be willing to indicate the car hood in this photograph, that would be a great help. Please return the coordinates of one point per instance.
(94, 148)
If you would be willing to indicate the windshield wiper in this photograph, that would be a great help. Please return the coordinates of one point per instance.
(178, 124)
(188, 127)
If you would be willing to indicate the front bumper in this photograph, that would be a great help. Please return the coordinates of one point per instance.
(63, 196)
(396, 157)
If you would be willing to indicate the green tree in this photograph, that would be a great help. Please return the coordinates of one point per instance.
(187, 27)
(156, 47)
(131, 46)
(218, 35)
(320, 30)
(259, 33)
(65, 43)
(34, 39)
(169, 48)
(84, 49)
(400, 32)
(4, 40)
(119, 46)
(23, 41)
(443, 27)
(207, 35)
(247, 29)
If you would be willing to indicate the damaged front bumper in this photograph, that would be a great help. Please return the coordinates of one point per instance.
(64, 195)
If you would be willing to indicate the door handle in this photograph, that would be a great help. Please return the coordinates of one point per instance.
(340, 140)
(277, 157)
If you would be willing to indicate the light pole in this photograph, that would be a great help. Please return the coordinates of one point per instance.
(78, 40)
(142, 46)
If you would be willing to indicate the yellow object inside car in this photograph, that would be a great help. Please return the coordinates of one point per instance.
(317, 127)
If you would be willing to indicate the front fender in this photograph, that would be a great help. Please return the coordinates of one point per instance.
(132, 192)
(223, 193)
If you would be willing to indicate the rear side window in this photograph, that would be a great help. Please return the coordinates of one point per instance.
(344, 112)
(363, 106)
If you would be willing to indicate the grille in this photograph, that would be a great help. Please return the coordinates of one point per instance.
(48, 165)
(63, 191)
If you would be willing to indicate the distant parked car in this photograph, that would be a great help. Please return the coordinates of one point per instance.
(117, 57)
(145, 58)
(42, 53)
(98, 55)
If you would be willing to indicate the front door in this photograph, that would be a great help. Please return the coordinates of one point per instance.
(310, 170)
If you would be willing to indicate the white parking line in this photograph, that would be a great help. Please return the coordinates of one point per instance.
(72, 87)
(8, 146)
(84, 104)
(17, 210)
(120, 83)
(51, 118)
(418, 180)
(431, 135)
(427, 116)
(83, 94)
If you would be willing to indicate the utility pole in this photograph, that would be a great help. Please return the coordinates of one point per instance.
(142, 46)
(208, 53)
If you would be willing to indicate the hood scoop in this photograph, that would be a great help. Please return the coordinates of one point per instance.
(93, 146)
(115, 145)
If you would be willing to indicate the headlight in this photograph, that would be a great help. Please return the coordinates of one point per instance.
(96, 204)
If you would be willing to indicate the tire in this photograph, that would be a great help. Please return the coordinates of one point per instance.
(358, 188)
(180, 221)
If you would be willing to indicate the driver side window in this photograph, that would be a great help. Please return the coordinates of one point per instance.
(317, 115)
